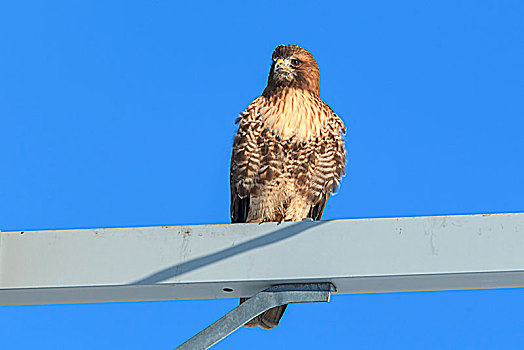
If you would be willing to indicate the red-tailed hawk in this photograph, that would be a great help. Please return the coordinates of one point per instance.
(288, 153)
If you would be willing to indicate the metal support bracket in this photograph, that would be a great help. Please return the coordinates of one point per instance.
(254, 306)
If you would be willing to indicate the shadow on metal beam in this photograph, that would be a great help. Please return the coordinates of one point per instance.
(270, 238)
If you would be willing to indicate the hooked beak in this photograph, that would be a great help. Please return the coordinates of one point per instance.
(282, 65)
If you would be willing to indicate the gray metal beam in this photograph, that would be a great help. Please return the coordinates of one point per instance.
(220, 261)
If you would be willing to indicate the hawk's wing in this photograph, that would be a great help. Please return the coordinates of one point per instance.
(245, 161)
(316, 211)
(239, 207)
(327, 167)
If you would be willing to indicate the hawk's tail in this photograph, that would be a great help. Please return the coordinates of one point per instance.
(268, 319)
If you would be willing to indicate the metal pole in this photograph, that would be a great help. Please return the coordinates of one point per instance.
(260, 302)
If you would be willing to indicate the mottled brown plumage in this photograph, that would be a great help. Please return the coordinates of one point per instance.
(288, 154)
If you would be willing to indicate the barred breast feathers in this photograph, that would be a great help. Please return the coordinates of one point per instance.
(294, 113)
(293, 116)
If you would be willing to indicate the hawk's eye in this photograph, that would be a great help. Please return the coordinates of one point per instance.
(295, 61)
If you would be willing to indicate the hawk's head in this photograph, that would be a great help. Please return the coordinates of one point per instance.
(293, 66)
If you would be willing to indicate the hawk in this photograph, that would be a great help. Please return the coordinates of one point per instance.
(288, 154)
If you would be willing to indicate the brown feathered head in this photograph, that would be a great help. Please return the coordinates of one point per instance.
(293, 66)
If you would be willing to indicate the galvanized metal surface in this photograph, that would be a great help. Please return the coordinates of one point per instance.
(220, 261)
(265, 300)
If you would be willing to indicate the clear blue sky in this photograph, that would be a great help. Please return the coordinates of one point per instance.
(120, 113)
